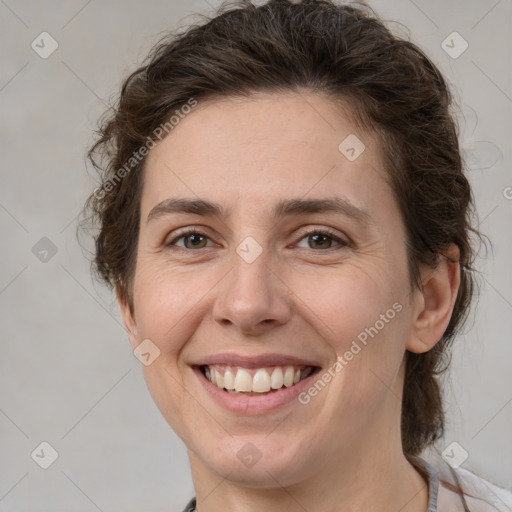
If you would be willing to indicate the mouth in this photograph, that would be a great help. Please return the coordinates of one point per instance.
(255, 385)
(238, 380)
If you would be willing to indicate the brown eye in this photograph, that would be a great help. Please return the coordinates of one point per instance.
(321, 240)
(192, 240)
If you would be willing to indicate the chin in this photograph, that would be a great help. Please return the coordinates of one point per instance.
(256, 461)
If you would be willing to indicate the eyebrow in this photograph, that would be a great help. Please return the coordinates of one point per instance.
(285, 208)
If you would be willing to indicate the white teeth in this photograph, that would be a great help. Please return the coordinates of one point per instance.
(243, 381)
(261, 380)
(288, 376)
(229, 380)
(277, 378)
(219, 379)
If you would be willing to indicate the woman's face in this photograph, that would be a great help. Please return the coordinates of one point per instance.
(261, 288)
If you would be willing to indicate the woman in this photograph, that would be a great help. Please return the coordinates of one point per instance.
(284, 217)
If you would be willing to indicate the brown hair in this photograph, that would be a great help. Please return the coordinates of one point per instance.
(340, 50)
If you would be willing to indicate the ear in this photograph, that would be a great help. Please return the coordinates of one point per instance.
(434, 303)
(128, 316)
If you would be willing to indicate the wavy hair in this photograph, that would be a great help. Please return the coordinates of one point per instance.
(346, 52)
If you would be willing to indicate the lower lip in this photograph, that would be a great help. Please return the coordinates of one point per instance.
(253, 404)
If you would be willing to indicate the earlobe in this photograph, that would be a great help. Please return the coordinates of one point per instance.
(435, 302)
(128, 316)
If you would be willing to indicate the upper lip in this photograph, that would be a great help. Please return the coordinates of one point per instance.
(260, 361)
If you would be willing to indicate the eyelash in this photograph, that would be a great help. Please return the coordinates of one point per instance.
(325, 232)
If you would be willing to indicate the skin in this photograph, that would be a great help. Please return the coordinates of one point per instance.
(342, 450)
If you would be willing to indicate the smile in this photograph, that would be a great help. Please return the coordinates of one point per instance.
(255, 381)
(254, 384)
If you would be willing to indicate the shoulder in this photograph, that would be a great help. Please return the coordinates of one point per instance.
(480, 495)
(478, 489)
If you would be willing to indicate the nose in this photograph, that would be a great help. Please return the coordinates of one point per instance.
(252, 297)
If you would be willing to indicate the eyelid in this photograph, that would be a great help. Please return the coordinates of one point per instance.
(330, 233)
(184, 232)
(343, 241)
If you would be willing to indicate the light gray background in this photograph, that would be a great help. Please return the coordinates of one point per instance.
(67, 373)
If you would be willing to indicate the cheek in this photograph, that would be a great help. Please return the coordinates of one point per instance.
(360, 312)
(344, 301)
(169, 304)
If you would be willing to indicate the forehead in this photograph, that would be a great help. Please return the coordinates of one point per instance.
(246, 152)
